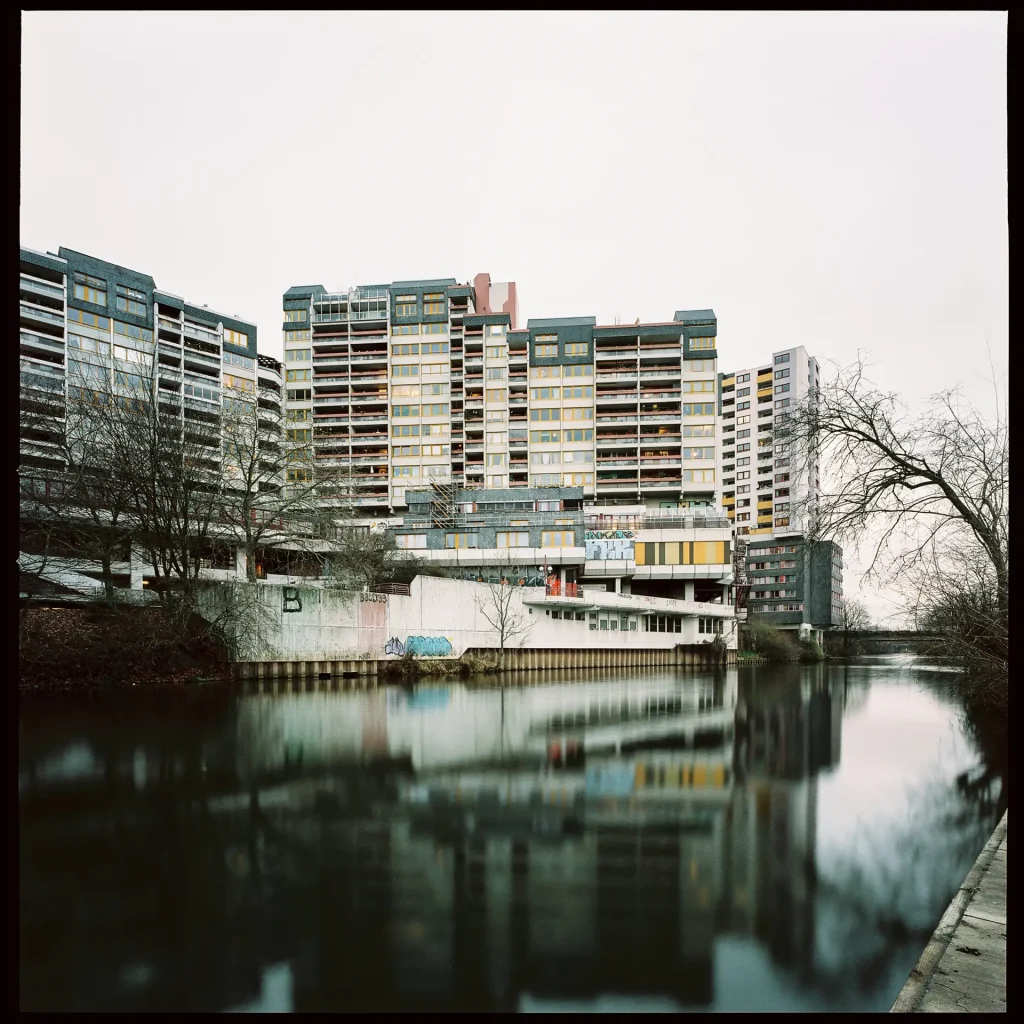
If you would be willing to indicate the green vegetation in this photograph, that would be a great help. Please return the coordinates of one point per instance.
(409, 666)
(810, 651)
(768, 642)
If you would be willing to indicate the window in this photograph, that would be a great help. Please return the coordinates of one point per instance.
(405, 329)
(514, 540)
(499, 437)
(433, 297)
(405, 350)
(405, 305)
(698, 476)
(782, 403)
(745, 475)
(432, 308)
(195, 391)
(698, 365)
(78, 316)
(743, 489)
(405, 450)
(577, 348)
(740, 420)
(782, 359)
(461, 540)
(699, 430)
(297, 355)
(296, 316)
(698, 385)
(406, 430)
(242, 383)
(433, 329)
(545, 436)
(129, 355)
(495, 481)
(405, 471)
(782, 507)
(745, 447)
(405, 370)
(707, 624)
(545, 480)
(781, 478)
(577, 435)
(698, 453)
(780, 374)
(130, 300)
(496, 373)
(547, 371)
(545, 351)
(543, 415)
(743, 392)
(433, 389)
(495, 330)
(557, 539)
(582, 457)
(495, 352)
(434, 347)
(411, 540)
(781, 492)
(297, 415)
(699, 343)
(433, 369)
(783, 521)
(546, 458)
(404, 390)
(90, 289)
(578, 414)
(291, 375)
(496, 459)
(781, 388)
(743, 378)
(496, 394)
(577, 479)
(576, 370)
(742, 405)
(298, 475)
(297, 435)
(232, 360)
(543, 393)
(699, 409)
(743, 433)
(578, 392)
(404, 410)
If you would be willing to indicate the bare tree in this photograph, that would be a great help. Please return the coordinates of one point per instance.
(502, 608)
(934, 487)
(853, 617)
(271, 491)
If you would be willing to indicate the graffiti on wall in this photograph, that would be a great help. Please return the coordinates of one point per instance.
(291, 600)
(609, 545)
(423, 646)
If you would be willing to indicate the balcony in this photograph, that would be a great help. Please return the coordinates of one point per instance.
(38, 313)
(54, 291)
(601, 418)
(646, 353)
(617, 352)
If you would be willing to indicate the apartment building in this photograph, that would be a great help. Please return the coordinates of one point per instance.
(90, 324)
(550, 536)
(767, 490)
(795, 583)
(404, 384)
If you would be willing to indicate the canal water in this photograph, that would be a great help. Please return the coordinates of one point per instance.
(766, 838)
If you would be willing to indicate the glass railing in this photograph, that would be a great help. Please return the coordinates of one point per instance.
(42, 287)
(42, 314)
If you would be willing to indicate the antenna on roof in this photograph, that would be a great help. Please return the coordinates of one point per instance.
(618, 319)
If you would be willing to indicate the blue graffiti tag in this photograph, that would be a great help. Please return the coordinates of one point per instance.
(394, 646)
(429, 646)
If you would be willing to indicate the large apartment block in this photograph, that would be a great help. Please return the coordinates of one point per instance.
(87, 324)
(766, 489)
(411, 383)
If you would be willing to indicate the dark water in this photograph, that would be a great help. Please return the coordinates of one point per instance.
(762, 839)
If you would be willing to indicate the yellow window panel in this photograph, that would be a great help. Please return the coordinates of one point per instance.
(672, 553)
(639, 775)
(718, 776)
(640, 552)
(700, 775)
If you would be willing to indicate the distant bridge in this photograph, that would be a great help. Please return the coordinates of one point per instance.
(893, 635)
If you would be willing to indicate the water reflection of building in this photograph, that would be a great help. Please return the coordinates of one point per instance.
(481, 880)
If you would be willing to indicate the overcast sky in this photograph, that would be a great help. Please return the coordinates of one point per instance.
(836, 180)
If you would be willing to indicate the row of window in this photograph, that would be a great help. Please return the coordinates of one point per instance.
(233, 360)
(415, 348)
(548, 539)
(408, 450)
(560, 458)
(556, 415)
(417, 430)
(681, 552)
(554, 372)
(419, 370)
(411, 390)
(549, 393)
(438, 409)
(407, 330)
(555, 436)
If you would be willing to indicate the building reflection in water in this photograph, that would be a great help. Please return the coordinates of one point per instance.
(455, 848)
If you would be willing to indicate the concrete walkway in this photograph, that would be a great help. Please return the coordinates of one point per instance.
(963, 967)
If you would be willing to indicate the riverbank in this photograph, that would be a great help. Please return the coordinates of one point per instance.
(963, 967)
(92, 647)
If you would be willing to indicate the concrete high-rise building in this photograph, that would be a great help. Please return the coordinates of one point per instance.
(766, 488)
(432, 382)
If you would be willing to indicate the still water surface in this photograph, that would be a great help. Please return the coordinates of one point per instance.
(772, 838)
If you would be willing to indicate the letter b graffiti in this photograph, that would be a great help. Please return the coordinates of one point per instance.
(292, 601)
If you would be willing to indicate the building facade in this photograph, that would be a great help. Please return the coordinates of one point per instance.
(405, 384)
(795, 583)
(768, 490)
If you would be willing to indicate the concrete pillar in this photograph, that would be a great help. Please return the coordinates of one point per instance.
(688, 587)
(618, 585)
(241, 563)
